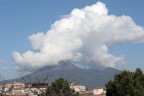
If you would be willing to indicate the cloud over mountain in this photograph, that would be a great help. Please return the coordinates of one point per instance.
(83, 36)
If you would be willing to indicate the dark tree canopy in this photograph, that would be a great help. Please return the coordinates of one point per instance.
(60, 87)
(126, 83)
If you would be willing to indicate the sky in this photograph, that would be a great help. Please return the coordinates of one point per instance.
(31, 29)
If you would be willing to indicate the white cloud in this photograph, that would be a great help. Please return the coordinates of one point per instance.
(84, 35)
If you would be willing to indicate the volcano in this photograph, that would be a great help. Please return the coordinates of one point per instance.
(91, 78)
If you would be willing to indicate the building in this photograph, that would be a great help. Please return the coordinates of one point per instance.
(78, 88)
(98, 91)
(23, 89)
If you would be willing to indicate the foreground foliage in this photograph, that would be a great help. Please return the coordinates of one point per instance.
(126, 83)
(60, 87)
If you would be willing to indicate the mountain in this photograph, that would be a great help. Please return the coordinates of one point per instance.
(61, 66)
(91, 78)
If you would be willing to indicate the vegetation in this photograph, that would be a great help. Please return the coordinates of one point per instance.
(60, 87)
(126, 83)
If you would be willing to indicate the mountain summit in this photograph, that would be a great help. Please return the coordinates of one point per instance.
(62, 65)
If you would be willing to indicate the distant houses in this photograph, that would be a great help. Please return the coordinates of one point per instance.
(99, 92)
(33, 89)
(23, 89)
(87, 92)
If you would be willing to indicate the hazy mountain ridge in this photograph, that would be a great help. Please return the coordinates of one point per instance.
(87, 77)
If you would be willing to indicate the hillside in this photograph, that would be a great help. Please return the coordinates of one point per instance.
(91, 78)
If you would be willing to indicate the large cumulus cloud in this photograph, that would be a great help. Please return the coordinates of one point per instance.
(83, 36)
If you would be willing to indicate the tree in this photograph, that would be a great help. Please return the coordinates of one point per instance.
(126, 83)
(60, 87)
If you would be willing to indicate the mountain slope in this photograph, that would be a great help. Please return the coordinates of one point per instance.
(87, 77)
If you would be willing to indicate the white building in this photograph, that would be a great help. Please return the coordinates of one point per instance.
(98, 91)
(78, 88)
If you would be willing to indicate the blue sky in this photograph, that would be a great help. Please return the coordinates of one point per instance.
(22, 18)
